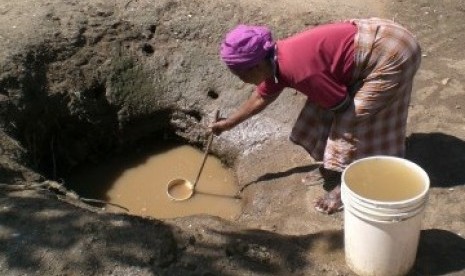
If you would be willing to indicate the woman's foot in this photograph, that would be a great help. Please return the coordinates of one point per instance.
(331, 182)
(331, 202)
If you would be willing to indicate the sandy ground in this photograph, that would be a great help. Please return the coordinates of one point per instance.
(43, 232)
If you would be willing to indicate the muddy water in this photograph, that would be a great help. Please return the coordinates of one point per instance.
(384, 180)
(139, 183)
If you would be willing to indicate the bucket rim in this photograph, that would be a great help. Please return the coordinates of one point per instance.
(410, 163)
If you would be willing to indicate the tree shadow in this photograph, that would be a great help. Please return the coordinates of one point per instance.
(40, 235)
(442, 156)
(266, 252)
(45, 234)
(440, 252)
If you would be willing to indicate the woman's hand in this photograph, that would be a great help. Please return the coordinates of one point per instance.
(253, 105)
(220, 126)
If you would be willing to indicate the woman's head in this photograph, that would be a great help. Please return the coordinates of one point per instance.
(246, 51)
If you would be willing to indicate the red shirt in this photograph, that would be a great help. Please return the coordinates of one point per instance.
(317, 62)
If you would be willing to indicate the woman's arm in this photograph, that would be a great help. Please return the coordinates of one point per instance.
(254, 104)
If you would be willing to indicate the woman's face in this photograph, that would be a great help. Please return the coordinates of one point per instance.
(256, 74)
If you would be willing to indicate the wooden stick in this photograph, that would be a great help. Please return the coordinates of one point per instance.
(210, 139)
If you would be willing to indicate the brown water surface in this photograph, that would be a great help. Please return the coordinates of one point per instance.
(139, 183)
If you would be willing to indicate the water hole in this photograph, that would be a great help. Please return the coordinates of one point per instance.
(138, 181)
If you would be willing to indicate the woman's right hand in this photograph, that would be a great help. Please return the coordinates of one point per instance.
(219, 126)
(254, 104)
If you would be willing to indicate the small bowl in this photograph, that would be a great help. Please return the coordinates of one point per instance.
(180, 183)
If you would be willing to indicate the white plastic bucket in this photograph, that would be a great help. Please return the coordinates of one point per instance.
(381, 235)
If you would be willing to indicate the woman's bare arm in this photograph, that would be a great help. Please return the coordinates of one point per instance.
(253, 105)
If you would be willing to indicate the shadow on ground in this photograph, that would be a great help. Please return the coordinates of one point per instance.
(440, 252)
(38, 233)
(442, 156)
(271, 253)
(277, 175)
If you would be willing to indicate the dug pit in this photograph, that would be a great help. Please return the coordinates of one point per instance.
(138, 181)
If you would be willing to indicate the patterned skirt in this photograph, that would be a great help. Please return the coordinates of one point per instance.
(387, 56)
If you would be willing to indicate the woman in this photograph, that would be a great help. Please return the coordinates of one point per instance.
(357, 77)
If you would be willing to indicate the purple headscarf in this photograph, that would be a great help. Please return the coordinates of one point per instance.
(245, 46)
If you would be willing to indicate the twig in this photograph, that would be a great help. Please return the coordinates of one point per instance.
(104, 202)
(55, 186)
(127, 4)
(21, 187)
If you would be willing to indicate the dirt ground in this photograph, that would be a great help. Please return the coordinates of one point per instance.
(79, 79)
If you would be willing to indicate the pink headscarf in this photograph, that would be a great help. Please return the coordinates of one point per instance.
(245, 46)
